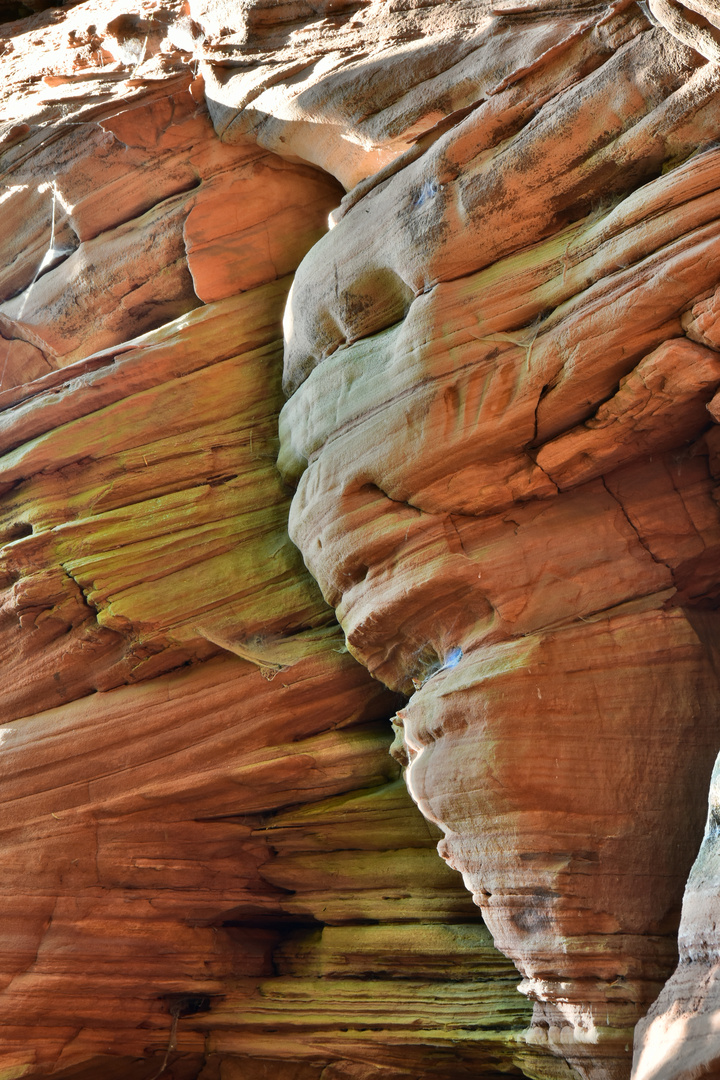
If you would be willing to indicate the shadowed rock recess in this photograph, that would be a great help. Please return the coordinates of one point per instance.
(360, 380)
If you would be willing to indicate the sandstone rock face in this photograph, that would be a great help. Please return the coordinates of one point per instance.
(210, 863)
(502, 367)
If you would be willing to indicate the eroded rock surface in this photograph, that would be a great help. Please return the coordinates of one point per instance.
(210, 862)
(503, 367)
(502, 372)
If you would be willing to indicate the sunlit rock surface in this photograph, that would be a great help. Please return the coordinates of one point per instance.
(502, 364)
(210, 862)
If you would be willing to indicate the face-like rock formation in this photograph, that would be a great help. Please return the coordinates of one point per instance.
(501, 361)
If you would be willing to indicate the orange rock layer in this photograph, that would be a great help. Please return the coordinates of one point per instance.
(210, 863)
(501, 363)
(503, 368)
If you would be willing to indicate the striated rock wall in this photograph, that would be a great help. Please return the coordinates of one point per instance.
(502, 372)
(210, 863)
(506, 475)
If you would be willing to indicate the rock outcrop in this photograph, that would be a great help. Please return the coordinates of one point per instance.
(503, 371)
(210, 862)
(506, 476)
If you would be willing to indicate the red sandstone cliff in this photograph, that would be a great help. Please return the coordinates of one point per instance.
(502, 372)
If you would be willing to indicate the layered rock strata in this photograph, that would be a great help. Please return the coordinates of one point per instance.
(501, 360)
(503, 368)
(210, 863)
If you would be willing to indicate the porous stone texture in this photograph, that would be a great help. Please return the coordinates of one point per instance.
(502, 364)
(210, 864)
